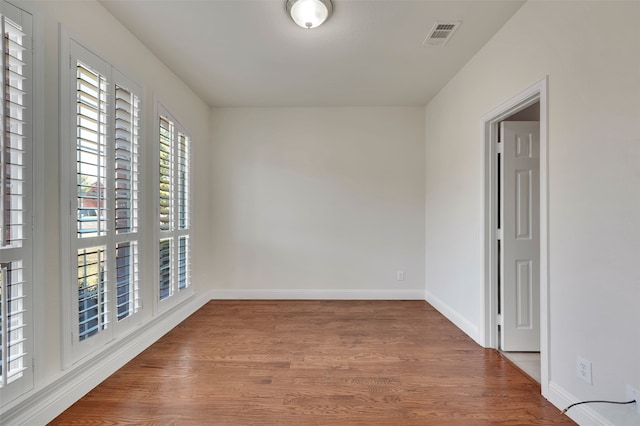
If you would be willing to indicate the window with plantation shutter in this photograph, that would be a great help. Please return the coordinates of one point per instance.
(104, 124)
(174, 210)
(16, 184)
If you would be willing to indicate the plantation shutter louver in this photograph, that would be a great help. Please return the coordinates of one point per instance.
(126, 200)
(183, 209)
(91, 162)
(166, 197)
(12, 141)
(166, 174)
(91, 152)
(12, 350)
(183, 263)
(183, 181)
(126, 153)
(127, 292)
(166, 271)
(92, 289)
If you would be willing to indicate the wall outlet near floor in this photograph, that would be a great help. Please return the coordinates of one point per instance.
(583, 369)
(399, 275)
(634, 394)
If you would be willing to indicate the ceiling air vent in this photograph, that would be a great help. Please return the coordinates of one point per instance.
(441, 32)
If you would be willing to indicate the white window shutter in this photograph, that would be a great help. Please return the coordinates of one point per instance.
(104, 279)
(16, 251)
(174, 209)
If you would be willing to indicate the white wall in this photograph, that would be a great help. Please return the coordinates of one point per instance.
(92, 25)
(594, 187)
(318, 202)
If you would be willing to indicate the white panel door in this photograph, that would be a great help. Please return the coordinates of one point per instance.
(520, 263)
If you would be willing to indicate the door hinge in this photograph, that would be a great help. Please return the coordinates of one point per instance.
(499, 147)
(499, 234)
(499, 320)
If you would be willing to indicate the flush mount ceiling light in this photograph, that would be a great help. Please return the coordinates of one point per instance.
(309, 13)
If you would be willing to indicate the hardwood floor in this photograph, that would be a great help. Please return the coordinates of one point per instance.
(315, 363)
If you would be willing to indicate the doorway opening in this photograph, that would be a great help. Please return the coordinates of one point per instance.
(516, 285)
(518, 239)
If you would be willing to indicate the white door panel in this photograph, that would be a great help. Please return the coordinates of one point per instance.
(520, 263)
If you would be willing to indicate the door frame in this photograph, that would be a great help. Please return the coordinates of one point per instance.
(537, 92)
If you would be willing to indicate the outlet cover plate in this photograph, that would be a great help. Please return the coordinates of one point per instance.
(583, 370)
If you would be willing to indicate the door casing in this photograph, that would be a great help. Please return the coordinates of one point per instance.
(538, 92)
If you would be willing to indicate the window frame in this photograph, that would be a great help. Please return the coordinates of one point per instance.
(28, 251)
(74, 349)
(177, 295)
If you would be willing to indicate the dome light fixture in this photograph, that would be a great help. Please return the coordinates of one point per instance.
(309, 13)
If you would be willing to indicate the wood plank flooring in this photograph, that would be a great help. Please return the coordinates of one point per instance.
(315, 363)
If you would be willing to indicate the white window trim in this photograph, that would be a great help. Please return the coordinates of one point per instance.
(178, 296)
(65, 195)
(73, 350)
(39, 205)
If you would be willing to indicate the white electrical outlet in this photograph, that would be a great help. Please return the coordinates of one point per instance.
(399, 275)
(634, 394)
(583, 370)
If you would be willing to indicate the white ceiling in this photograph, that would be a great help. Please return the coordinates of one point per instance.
(369, 53)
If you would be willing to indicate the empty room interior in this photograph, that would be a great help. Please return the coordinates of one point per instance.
(390, 212)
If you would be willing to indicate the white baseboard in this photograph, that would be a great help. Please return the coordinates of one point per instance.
(581, 414)
(330, 294)
(455, 317)
(42, 405)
